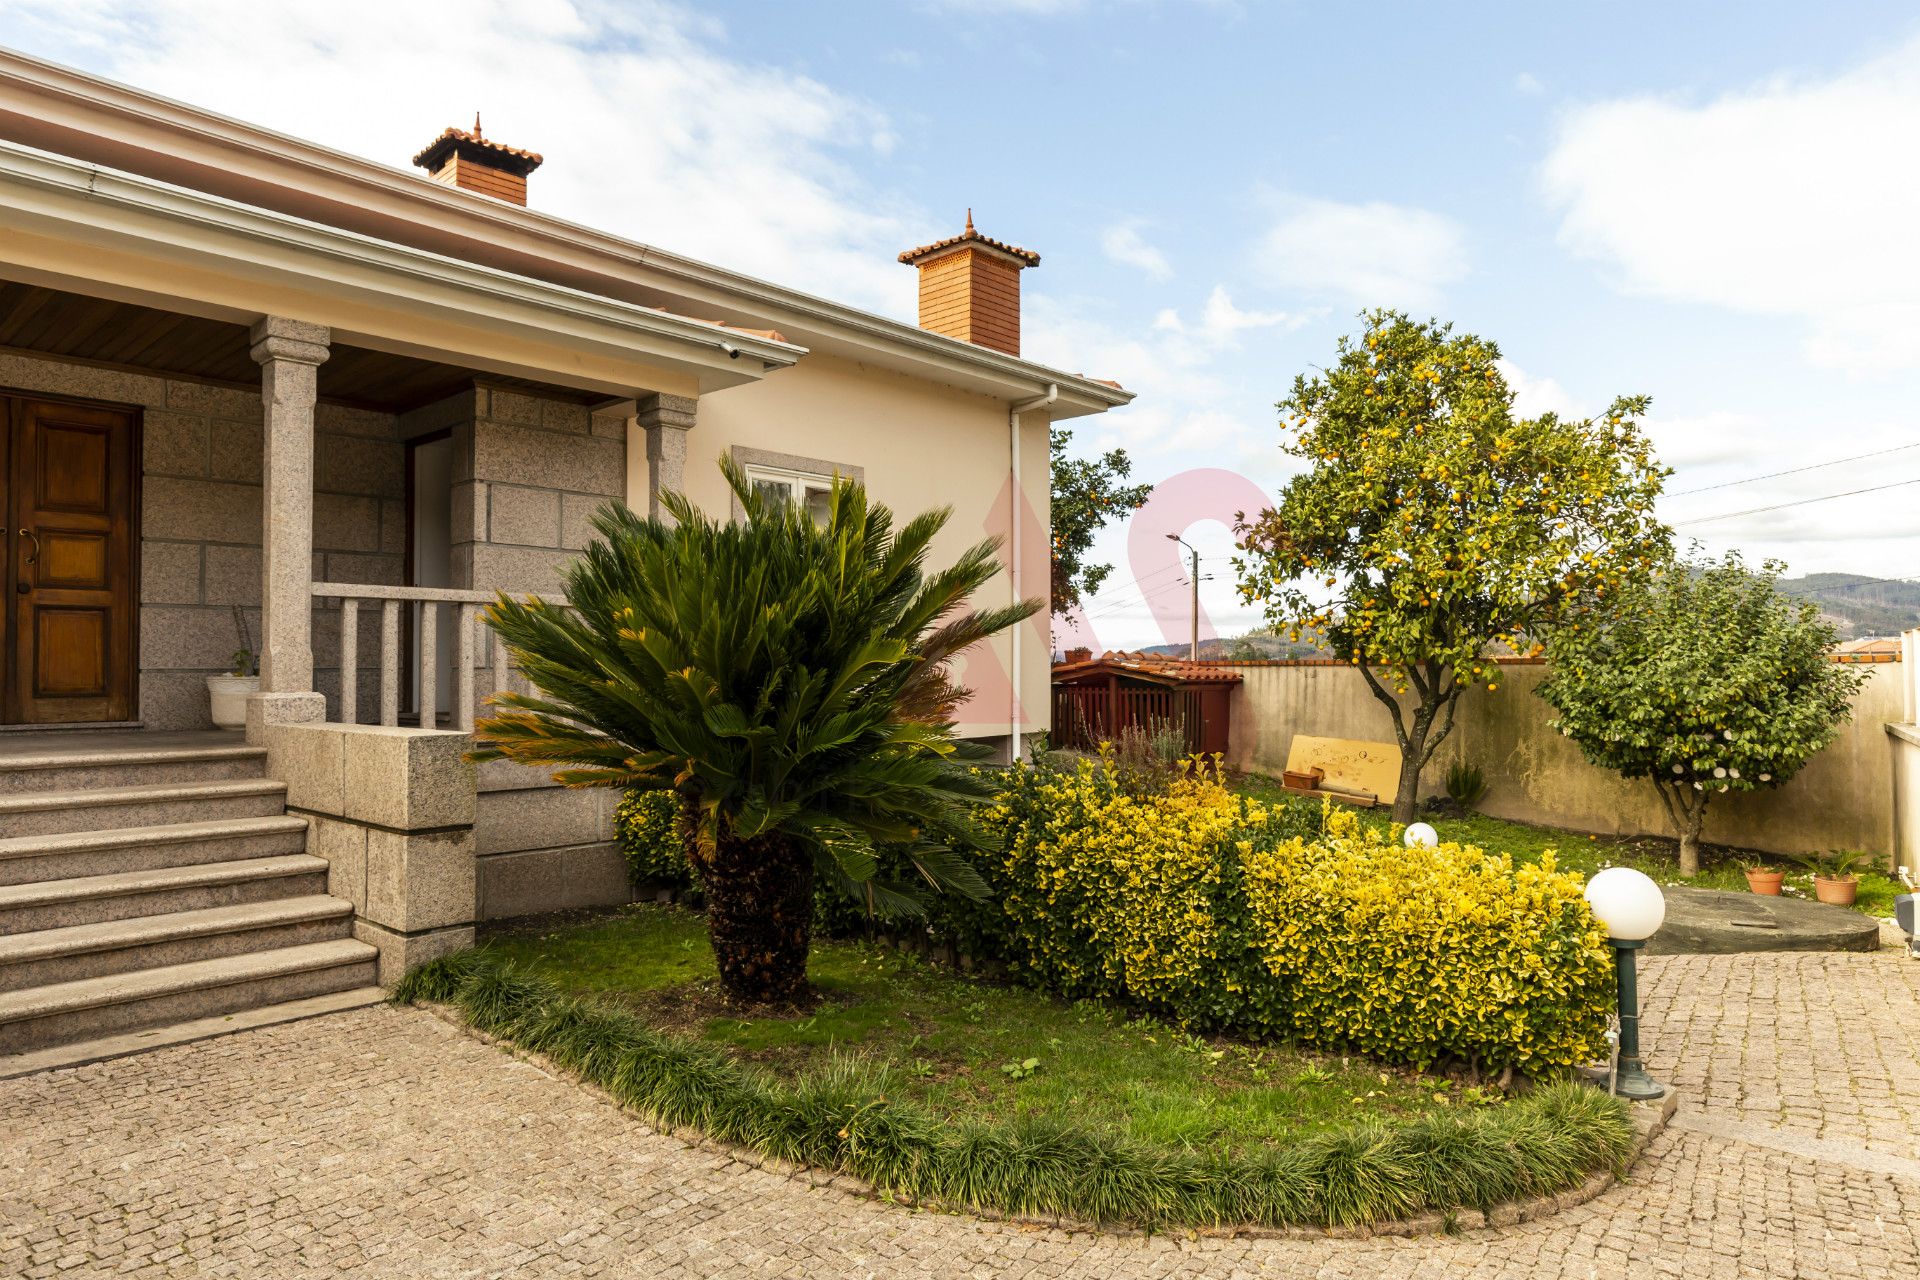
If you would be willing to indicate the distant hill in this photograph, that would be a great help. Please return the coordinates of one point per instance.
(1859, 606)
(1254, 645)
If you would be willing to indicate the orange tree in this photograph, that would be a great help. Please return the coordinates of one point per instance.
(1433, 525)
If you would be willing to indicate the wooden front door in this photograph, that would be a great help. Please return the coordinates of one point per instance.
(68, 488)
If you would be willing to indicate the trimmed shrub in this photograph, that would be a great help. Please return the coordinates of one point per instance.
(846, 1117)
(1293, 921)
(647, 825)
(1416, 954)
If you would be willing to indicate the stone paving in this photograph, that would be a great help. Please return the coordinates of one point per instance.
(383, 1142)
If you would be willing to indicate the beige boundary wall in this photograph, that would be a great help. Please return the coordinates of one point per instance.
(1844, 798)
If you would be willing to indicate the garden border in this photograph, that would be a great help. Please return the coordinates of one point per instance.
(1649, 1121)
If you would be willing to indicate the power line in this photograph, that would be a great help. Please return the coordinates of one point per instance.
(1800, 502)
(1106, 592)
(1794, 471)
(1124, 605)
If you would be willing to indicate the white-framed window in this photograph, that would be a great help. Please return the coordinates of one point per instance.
(805, 488)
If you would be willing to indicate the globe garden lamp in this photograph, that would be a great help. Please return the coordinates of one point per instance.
(1421, 836)
(1631, 908)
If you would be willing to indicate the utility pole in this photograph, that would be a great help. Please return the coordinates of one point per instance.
(1193, 645)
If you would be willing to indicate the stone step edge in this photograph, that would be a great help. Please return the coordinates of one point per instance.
(82, 1052)
(174, 926)
(120, 884)
(120, 756)
(149, 793)
(131, 837)
(179, 979)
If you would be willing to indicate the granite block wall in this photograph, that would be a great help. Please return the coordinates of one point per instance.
(200, 527)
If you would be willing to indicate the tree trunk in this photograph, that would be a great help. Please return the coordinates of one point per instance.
(1413, 759)
(760, 918)
(1696, 817)
(1688, 811)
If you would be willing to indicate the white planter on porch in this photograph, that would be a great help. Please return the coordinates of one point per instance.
(228, 694)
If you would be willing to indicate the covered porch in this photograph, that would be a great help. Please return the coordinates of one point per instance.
(225, 429)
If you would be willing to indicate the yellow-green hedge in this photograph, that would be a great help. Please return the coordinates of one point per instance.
(1226, 913)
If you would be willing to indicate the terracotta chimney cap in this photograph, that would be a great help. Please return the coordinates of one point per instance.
(474, 147)
(1026, 257)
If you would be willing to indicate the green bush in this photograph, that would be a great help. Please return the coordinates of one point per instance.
(647, 825)
(1293, 921)
(1466, 785)
(847, 1118)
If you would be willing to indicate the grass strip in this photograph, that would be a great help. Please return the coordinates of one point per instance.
(845, 1117)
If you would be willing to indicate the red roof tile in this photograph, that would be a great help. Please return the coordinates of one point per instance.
(1153, 665)
(970, 236)
(512, 159)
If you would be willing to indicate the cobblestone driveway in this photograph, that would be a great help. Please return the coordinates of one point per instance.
(382, 1142)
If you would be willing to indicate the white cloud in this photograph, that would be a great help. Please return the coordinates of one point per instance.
(649, 126)
(1529, 84)
(1534, 396)
(1370, 255)
(1124, 245)
(1221, 322)
(1791, 198)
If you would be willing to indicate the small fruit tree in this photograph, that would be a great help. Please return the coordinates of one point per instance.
(1087, 493)
(1704, 678)
(1439, 523)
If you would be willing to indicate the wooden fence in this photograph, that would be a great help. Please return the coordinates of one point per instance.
(1086, 715)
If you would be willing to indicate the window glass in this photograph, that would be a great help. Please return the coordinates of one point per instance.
(819, 503)
(772, 489)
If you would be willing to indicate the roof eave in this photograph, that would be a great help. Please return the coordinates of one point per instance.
(92, 117)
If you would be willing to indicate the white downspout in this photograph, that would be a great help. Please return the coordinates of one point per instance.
(1017, 580)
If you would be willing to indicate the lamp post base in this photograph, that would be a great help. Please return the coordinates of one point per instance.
(1633, 1083)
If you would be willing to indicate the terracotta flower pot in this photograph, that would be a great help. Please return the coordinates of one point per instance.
(1767, 882)
(1837, 890)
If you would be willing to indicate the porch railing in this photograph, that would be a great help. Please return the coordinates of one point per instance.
(395, 604)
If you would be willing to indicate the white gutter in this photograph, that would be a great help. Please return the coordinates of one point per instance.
(49, 191)
(1017, 579)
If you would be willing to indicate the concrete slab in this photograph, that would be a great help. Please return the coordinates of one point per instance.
(1715, 922)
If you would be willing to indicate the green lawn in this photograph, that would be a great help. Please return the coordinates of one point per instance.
(970, 1048)
(1578, 851)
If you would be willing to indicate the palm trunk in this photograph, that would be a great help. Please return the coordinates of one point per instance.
(760, 918)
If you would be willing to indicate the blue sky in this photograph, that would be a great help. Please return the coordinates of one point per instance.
(1717, 205)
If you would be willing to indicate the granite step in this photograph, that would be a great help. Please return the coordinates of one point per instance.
(47, 956)
(37, 813)
(56, 904)
(70, 855)
(112, 768)
(39, 1017)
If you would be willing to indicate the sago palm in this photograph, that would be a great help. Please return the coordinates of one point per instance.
(786, 679)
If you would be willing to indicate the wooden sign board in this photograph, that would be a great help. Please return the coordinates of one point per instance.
(1348, 763)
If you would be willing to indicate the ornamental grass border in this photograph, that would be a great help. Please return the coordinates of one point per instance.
(1555, 1145)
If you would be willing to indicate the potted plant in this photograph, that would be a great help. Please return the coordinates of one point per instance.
(1835, 874)
(1762, 878)
(228, 692)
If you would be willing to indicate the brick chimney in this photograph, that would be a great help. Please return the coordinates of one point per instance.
(473, 162)
(970, 288)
